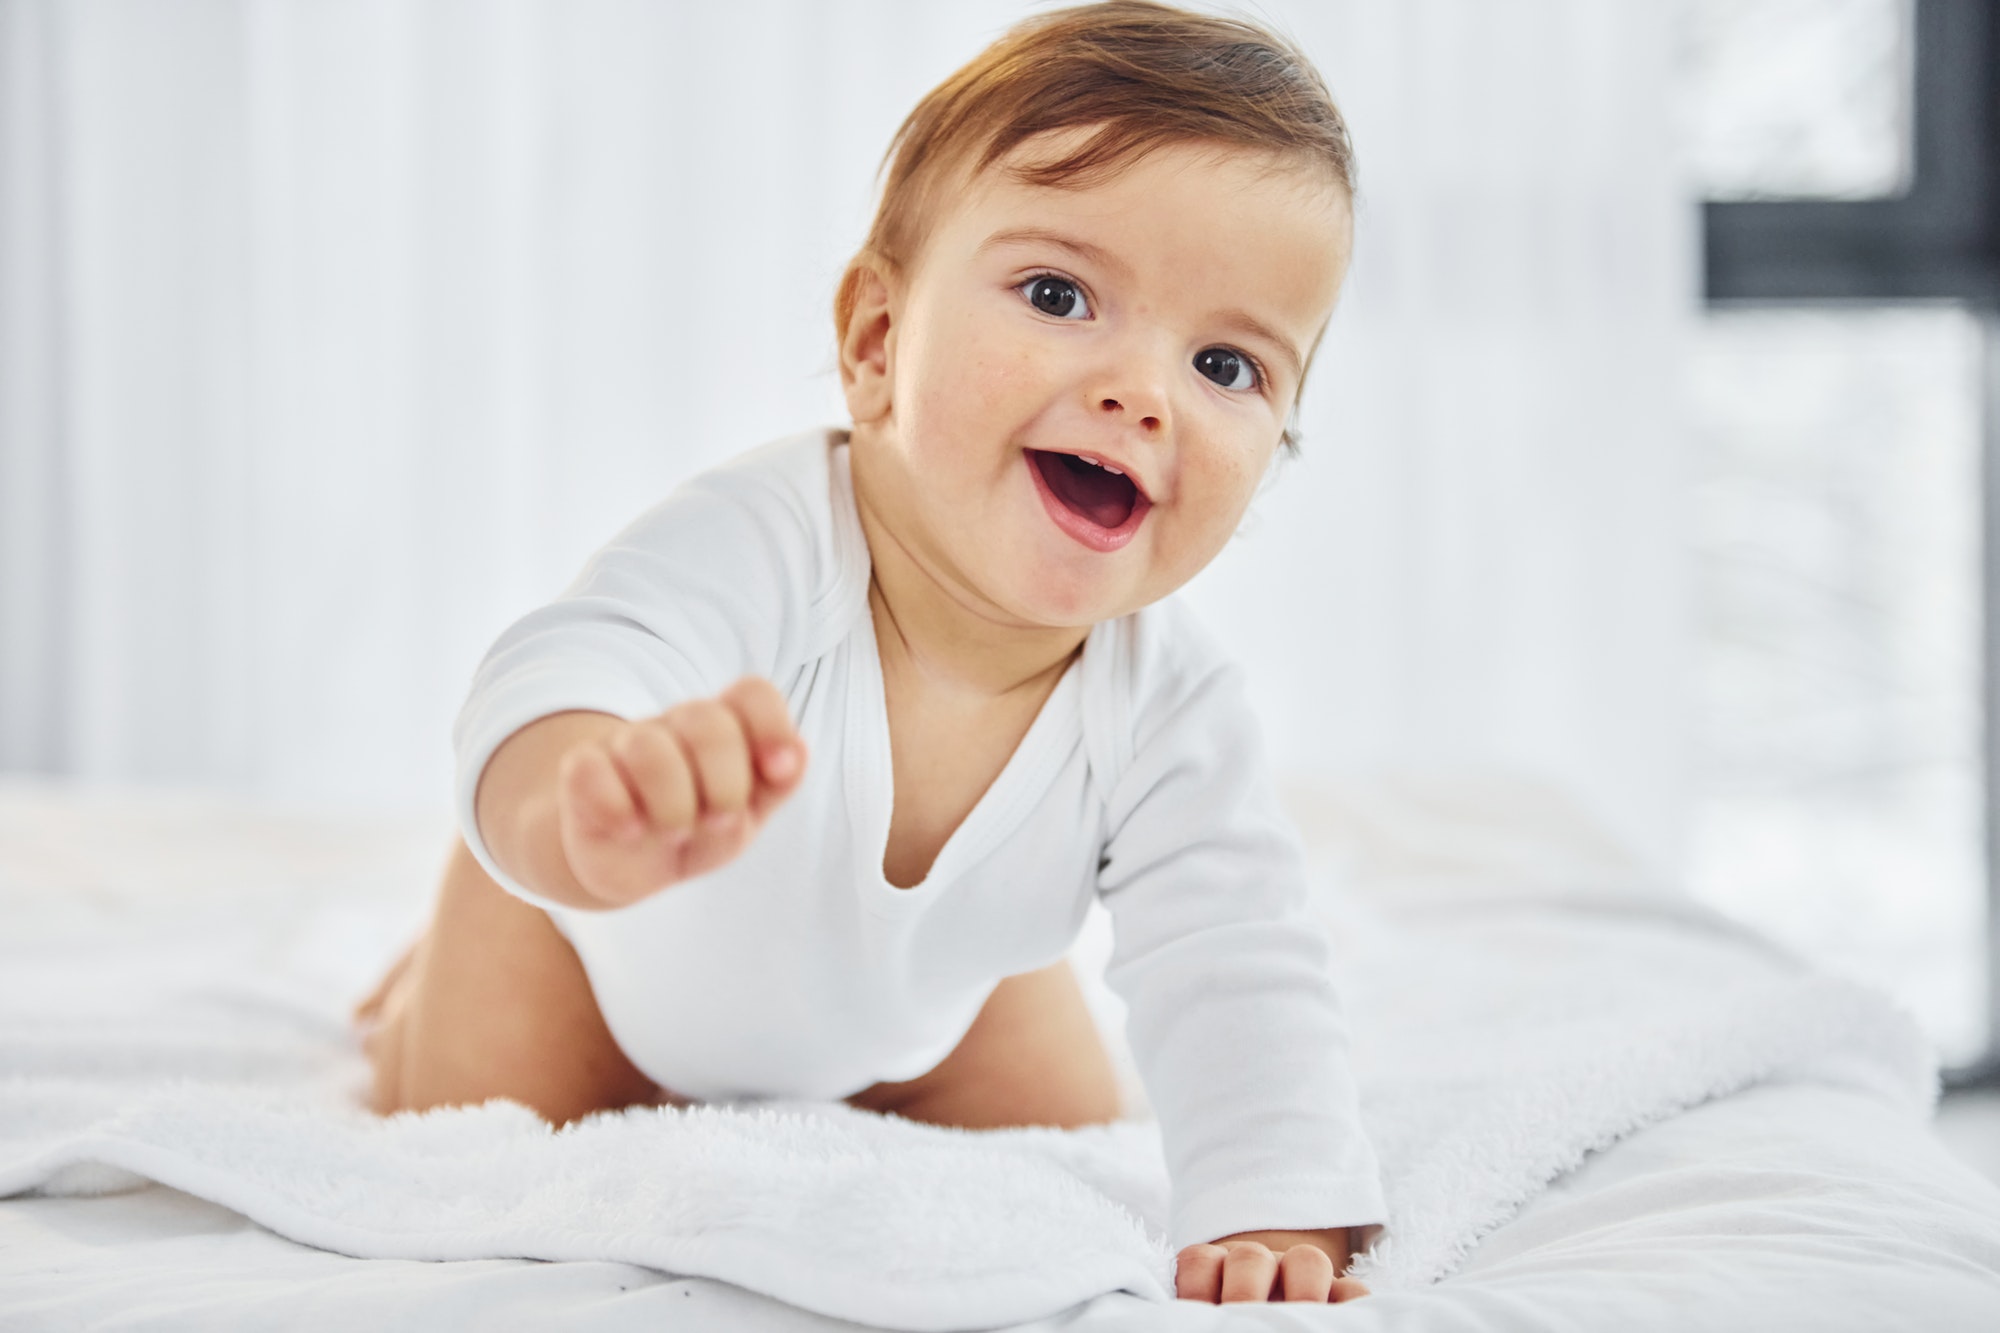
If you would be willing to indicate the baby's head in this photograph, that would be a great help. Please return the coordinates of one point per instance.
(1109, 244)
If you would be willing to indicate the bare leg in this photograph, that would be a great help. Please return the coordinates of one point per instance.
(1032, 1057)
(493, 1002)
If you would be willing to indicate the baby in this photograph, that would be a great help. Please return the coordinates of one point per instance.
(805, 786)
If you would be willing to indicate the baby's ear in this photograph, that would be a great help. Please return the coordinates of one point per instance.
(867, 338)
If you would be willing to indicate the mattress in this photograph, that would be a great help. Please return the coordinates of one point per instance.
(1813, 1200)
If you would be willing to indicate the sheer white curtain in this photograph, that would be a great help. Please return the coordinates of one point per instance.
(335, 335)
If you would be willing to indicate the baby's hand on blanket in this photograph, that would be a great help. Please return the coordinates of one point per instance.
(1267, 1266)
(667, 798)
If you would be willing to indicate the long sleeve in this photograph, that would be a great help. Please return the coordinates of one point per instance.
(710, 584)
(1233, 1019)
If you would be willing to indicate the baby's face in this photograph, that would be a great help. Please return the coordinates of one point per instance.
(1079, 390)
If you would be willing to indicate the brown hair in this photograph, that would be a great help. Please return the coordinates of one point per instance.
(1147, 75)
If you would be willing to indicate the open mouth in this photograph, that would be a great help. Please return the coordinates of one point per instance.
(1098, 506)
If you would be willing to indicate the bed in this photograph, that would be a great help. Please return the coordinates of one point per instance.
(1807, 1191)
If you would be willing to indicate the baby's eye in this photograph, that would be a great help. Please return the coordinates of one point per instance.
(1054, 296)
(1232, 370)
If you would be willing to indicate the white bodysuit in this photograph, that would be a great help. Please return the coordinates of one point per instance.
(798, 970)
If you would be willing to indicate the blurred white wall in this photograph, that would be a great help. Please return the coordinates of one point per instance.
(335, 335)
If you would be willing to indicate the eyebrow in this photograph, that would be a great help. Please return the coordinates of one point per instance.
(1098, 255)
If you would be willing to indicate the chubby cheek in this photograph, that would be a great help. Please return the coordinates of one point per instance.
(959, 389)
(1216, 488)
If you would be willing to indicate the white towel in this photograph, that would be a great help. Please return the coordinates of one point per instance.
(1500, 1035)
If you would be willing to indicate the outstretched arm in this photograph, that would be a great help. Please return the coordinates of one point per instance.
(650, 690)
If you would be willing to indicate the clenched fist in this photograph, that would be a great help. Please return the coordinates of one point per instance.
(650, 803)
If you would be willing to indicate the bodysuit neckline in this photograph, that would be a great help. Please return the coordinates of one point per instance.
(870, 767)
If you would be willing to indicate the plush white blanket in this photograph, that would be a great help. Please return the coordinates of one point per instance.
(1503, 1031)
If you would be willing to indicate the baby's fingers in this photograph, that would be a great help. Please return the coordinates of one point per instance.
(712, 737)
(1198, 1273)
(594, 795)
(1305, 1273)
(1249, 1272)
(618, 858)
(774, 743)
(656, 769)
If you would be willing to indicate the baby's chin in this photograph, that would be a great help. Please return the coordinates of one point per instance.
(1066, 592)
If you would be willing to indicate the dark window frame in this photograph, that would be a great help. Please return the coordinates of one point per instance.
(1941, 240)
(1938, 241)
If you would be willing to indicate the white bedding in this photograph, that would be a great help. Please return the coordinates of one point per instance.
(1819, 1200)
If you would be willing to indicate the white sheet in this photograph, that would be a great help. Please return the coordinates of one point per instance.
(1821, 1190)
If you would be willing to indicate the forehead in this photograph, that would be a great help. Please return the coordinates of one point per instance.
(1199, 222)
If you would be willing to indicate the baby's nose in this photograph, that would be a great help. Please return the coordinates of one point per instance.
(1149, 420)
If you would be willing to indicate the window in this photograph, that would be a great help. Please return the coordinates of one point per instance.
(1844, 407)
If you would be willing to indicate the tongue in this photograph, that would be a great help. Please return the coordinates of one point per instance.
(1105, 498)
